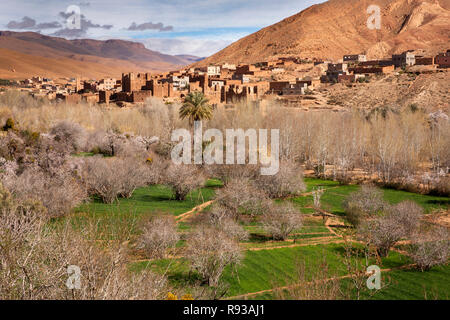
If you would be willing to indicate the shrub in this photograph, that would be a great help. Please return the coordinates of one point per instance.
(209, 252)
(430, 247)
(69, 134)
(10, 124)
(317, 195)
(288, 181)
(12, 146)
(239, 196)
(59, 193)
(229, 172)
(385, 231)
(364, 203)
(183, 179)
(281, 220)
(158, 235)
(407, 214)
(382, 232)
(18, 218)
(230, 228)
(111, 143)
(110, 178)
(34, 265)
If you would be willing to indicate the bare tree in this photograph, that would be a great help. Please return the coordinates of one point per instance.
(183, 179)
(158, 235)
(281, 220)
(430, 247)
(317, 195)
(288, 181)
(228, 172)
(407, 214)
(239, 196)
(356, 260)
(366, 202)
(59, 193)
(230, 227)
(114, 177)
(34, 260)
(70, 134)
(385, 231)
(209, 252)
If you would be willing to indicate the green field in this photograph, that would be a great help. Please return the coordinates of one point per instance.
(265, 269)
(335, 193)
(149, 200)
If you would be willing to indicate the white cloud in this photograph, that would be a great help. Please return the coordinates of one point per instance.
(191, 46)
(195, 22)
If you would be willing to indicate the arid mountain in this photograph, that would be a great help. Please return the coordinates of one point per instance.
(28, 53)
(337, 27)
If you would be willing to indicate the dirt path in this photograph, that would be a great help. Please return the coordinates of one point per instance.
(324, 240)
(305, 194)
(246, 295)
(196, 209)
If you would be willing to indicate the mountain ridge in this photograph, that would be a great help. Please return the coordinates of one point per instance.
(115, 55)
(337, 27)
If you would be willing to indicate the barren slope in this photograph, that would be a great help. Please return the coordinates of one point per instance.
(24, 54)
(338, 27)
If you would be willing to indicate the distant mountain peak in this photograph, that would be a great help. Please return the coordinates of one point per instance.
(118, 55)
(337, 27)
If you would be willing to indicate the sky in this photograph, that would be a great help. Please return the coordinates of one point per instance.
(193, 27)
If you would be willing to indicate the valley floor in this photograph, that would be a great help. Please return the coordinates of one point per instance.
(270, 269)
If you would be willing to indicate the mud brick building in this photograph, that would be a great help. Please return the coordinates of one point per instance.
(228, 66)
(104, 96)
(355, 58)
(179, 82)
(226, 73)
(203, 81)
(134, 81)
(443, 60)
(295, 89)
(346, 78)
(246, 69)
(106, 84)
(243, 78)
(404, 59)
(424, 61)
(222, 82)
(368, 70)
(213, 70)
(237, 93)
(376, 63)
(311, 83)
(195, 86)
(159, 88)
(69, 98)
(277, 87)
(140, 96)
(334, 71)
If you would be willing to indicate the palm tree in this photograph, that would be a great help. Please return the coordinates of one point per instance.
(196, 107)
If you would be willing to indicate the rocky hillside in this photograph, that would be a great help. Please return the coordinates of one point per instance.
(337, 27)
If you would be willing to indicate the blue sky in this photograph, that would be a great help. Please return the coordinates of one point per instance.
(197, 27)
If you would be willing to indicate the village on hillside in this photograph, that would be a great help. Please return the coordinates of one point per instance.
(228, 83)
